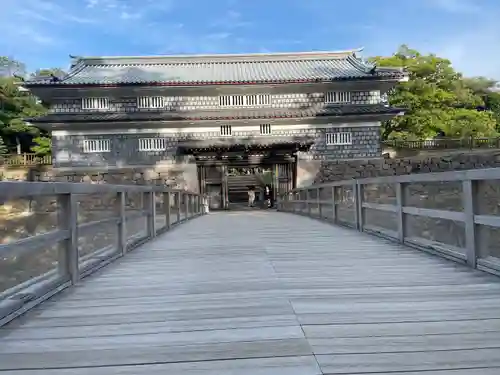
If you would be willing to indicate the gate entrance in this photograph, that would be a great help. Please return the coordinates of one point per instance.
(225, 173)
(227, 184)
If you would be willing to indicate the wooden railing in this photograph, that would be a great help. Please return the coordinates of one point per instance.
(25, 160)
(54, 234)
(445, 143)
(452, 214)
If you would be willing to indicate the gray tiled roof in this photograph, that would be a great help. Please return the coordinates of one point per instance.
(217, 114)
(221, 69)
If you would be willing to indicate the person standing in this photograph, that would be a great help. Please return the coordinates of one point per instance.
(206, 204)
(251, 196)
(267, 196)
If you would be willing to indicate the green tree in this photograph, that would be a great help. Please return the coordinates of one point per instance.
(437, 99)
(3, 148)
(487, 89)
(10, 67)
(492, 102)
(49, 72)
(43, 146)
(16, 105)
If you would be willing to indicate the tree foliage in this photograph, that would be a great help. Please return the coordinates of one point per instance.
(437, 99)
(3, 148)
(16, 105)
(43, 145)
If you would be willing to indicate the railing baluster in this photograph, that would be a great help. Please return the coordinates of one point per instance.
(361, 213)
(178, 199)
(166, 207)
(150, 208)
(400, 216)
(68, 250)
(318, 202)
(358, 217)
(308, 200)
(122, 223)
(186, 206)
(469, 196)
(334, 206)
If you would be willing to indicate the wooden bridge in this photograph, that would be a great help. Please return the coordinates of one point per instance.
(409, 289)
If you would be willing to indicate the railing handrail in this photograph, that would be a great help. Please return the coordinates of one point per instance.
(19, 189)
(468, 216)
(469, 174)
(445, 142)
(25, 159)
(71, 264)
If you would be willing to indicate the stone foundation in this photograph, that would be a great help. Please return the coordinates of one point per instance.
(354, 169)
(178, 176)
(184, 175)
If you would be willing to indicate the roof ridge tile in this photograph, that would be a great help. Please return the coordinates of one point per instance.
(173, 72)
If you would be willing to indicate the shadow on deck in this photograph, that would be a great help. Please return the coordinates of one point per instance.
(265, 293)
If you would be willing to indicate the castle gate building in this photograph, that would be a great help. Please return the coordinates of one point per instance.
(217, 123)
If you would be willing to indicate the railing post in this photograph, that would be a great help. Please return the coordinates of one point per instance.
(318, 202)
(334, 206)
(399, 211)
(469, 197)
(357, 206)
(186, 206)
(122, 223)
(178, 198)
(150, 208)
(166, 208)
(68, 250)
(308, 200)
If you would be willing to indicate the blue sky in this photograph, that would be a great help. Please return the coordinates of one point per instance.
(42, 33)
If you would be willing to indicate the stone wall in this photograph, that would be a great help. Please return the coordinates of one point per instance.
(351, 169)
(309, 171)
(124, 149)
(300, 99)
(183, 176)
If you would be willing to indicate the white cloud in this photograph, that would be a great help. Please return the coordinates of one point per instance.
(44, 22)
(474, 52)
(456, 6)
(124, 15)
(230, 20)
(92, 3)
(468, 34)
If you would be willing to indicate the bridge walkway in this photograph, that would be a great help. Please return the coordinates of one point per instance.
(264, 293)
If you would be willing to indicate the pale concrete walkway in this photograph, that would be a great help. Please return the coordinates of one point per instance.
(265, 293)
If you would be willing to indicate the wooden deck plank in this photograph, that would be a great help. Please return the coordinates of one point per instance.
(265, 293)
(263, 366)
